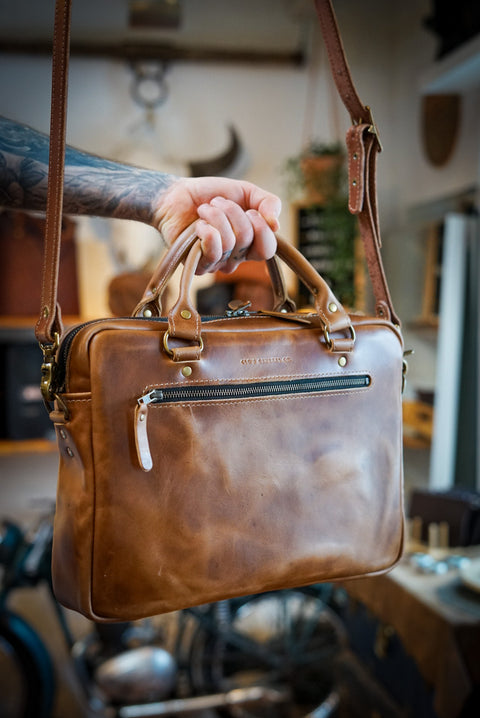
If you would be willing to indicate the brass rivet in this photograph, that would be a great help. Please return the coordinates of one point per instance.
(186, 314)
(187, 370)
(69, 451)
(342, 361)
(332, 307)
(45, 312)
(63, 433)
(154, 289)
(147, 312)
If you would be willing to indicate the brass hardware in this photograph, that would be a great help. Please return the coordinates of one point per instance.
(342, 361)
(332, 307)
(187, 370)
(147, 312)
(48, 370)
(63, 433)
(45, 312)
(329, 341)
(154, 289)
(69, 452)
(186, 314)
(373, 128)
(166, 337)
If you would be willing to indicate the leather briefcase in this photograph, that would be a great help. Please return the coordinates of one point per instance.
(203, 458)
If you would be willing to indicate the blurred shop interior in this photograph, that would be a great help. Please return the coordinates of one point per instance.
(243, 89)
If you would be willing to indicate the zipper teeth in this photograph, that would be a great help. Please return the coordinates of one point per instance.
(233, 391)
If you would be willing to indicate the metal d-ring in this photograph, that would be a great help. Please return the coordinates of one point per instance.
(329, 341)
(166, 337)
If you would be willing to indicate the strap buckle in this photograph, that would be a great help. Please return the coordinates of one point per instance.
(373, 129)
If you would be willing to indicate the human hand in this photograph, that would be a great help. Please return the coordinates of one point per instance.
(236, 220)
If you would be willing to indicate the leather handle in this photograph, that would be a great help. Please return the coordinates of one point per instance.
(184, 321)
(151, 302)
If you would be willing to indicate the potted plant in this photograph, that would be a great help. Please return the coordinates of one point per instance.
(316, 181)
(317, 173)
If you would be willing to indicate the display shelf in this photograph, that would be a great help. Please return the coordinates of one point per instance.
(26, 446)
(458, 71)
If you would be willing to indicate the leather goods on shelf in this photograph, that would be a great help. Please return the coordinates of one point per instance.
(203, 458)
(21, 253)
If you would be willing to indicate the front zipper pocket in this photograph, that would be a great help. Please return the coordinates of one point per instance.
(226, 392)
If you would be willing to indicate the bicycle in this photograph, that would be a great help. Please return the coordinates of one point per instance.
(242, 658)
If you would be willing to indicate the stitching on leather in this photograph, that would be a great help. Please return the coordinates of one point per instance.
(188, 405)
(58, 147)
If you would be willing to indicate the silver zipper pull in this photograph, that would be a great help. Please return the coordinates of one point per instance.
(154, 395)
(238, 308)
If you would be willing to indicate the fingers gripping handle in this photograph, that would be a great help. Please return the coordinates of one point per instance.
(150, 304)
(184, 321)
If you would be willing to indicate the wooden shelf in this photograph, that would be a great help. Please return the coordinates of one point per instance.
(427, 322)
(458, 71)
(26, 322)
(27, 446)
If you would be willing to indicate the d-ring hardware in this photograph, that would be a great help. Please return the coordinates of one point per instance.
(166, 337)
(329, 340)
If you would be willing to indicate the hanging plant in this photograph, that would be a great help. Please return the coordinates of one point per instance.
(317, 173)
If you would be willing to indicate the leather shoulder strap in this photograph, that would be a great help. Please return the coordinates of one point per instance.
(362, 143)
(50, 322)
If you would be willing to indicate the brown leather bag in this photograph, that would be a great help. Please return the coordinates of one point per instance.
(204, 458)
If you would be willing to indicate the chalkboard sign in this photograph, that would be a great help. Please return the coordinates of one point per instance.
(326, 236)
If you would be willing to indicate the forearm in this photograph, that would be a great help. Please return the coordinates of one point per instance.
(92, 185)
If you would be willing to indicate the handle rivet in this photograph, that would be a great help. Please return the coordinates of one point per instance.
(69, 452)
(342, 361)
(187, 370)
(63, 433)
(142, 417)
(154, 289)
(354, 182)
(355, 156)
(45, 312)
(332, 307)
(186, 314)
(147, 312)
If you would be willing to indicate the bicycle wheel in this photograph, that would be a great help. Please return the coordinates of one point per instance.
(285, 640)
(26, 671)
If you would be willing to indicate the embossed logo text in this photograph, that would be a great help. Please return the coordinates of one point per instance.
(266, 360)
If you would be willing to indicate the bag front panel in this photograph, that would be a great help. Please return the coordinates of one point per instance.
(247, 494)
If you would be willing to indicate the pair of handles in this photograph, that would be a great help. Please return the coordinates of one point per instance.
(184, 322)
(363, 146)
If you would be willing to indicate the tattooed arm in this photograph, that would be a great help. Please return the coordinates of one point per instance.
(235, 219)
